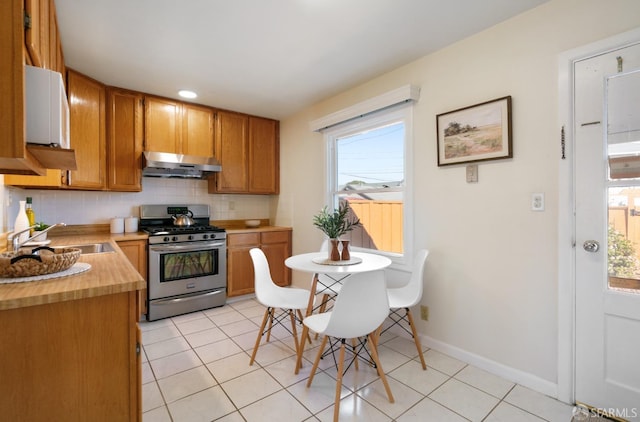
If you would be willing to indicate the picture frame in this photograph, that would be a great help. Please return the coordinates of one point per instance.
(480, 132)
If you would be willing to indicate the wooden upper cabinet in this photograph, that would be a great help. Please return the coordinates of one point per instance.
(248, 149)
(232, 152)
(162, 124)
(264, 156)
(87, 124)
(197, 130)
(37, 31)
(124, 140)
(180, 128)
(42, 38)
(56, 57)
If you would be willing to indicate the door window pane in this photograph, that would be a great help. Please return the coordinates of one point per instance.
(623, 150)
(623, 238)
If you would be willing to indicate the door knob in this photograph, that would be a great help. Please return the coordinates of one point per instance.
(591, 245)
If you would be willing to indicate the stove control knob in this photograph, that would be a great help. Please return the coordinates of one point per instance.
(166, 238)
(205, 237)
(174, 238)
(190, 237)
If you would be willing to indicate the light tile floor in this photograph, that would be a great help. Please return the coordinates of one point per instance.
(196, 368)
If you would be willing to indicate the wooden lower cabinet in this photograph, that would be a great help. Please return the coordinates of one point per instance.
(136, 252)
(276, 245)
(76, 360)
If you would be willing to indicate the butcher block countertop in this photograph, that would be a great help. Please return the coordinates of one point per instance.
(110, 272)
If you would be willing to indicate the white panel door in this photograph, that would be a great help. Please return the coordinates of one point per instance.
(607, 198)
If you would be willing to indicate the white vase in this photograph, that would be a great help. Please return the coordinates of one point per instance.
(22, 222)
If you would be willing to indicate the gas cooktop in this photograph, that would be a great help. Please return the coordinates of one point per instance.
(159, 222)
(160, 230)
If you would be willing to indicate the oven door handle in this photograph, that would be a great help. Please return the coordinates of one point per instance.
(186, 298)
(182, 248)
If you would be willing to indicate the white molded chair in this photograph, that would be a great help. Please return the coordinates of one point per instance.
(269, 294)
(360, 308)
(403, 298)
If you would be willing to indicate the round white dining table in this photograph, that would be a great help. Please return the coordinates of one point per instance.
(317, 263)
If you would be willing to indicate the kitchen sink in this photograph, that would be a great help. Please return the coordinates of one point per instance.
(89, 248)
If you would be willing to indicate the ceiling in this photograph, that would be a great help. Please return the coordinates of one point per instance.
(270, 58)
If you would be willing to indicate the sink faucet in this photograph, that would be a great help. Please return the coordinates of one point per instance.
(14, 238)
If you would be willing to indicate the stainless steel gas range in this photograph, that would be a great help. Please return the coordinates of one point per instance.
(187, 260)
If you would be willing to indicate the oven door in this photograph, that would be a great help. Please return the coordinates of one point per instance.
(186, 268)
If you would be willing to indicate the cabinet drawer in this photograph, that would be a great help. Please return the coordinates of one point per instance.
(243, 239)
(275, 237)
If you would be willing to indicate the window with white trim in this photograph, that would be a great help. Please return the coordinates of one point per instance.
(369, 160)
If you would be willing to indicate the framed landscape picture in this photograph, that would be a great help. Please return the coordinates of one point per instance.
(476, 133)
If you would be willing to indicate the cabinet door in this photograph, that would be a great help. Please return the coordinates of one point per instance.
(73, 360)
(240, 275)
(37, 33)
(87, 131)
(231, 151)
(277, 247)
(136, 252)
(56, 60)
(162, 120)
(239, 264)
(197, 133)
(124, 140)
(264, 156)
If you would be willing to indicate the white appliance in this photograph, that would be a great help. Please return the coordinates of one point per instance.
(47, 109)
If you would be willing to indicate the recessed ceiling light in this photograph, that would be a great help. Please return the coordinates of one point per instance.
(184, 93)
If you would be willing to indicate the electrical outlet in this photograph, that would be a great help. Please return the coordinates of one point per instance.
(537, 202)
(424, 313)
(472, 173)
(232, 206)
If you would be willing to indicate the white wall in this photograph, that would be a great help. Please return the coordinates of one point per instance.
(492, 278)
(82, 207)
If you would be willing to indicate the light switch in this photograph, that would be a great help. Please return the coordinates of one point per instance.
(472, 173)
(537, 202)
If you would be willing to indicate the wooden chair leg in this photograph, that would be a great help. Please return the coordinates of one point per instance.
(317, 360)
(336, 410)
(270, 324)
(301, 318)
(293, 329)
(377, 335)
(305, 333)
(354, 345)
(255, 347)
(415, 338)
(323, 307)
(383, 377)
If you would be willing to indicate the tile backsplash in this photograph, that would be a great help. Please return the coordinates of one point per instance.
(85, 207)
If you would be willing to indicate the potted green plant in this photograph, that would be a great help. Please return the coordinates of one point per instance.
(335, 224)
(39, 227)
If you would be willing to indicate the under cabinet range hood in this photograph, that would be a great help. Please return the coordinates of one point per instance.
(166, 164)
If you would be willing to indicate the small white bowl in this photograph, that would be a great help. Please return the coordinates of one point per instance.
(252, 223)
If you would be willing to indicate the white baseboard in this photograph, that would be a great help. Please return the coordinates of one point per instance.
(525, 379)
(515, 375)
